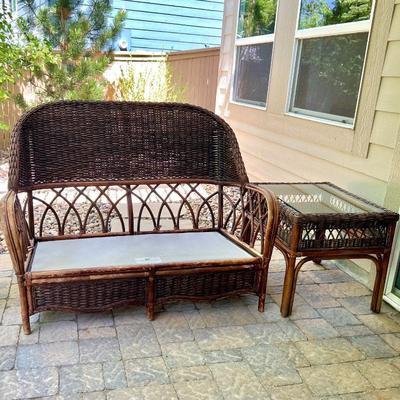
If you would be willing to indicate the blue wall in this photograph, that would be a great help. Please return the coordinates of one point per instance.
(165, 25)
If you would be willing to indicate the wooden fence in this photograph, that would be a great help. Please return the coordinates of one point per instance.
(9, 114)
(195, 70)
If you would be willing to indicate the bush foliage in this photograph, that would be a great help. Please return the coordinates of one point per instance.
(148, 81)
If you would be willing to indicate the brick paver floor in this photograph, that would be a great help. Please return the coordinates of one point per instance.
(332, 347)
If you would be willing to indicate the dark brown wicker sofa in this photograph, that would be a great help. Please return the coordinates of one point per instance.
(111, 204)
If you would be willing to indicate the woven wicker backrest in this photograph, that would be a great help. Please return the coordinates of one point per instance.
(70, 142)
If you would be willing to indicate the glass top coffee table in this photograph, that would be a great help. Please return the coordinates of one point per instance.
(322, 221)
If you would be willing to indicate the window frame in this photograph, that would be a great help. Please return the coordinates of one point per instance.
(248, 41)
(294, 130)
(391, 293)
(346, 28)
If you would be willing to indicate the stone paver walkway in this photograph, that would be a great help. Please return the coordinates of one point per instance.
(332, 347)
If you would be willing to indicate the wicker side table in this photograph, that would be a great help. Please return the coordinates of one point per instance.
(320, 221)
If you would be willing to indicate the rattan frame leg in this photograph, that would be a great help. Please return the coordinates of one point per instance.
(150, 297)
(262, 289)
(23, 299)
(292, 270)
(289, 285)
(382, 264)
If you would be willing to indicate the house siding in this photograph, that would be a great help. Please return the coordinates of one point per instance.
(168, 25)
(389, 102)
(171, 25)
(271, 154)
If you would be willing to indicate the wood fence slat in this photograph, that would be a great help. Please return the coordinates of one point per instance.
(196, 70)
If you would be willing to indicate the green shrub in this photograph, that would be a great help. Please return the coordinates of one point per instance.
(82, 38)
(148, 81)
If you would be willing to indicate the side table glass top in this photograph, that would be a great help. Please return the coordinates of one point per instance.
(319, 198)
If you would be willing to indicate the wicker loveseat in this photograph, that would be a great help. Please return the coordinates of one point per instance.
(111, 204)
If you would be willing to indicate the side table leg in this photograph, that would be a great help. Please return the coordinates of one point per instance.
(289, 286)
(379, 285)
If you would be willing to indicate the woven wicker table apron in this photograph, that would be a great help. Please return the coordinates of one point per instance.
(320, 221)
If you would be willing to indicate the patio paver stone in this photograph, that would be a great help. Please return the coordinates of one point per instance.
(198, 390)
(380, 323)
(338, 316)
(7, 357)
(373, 346)
(297, 392)
(382, 374)
(144, 371)
(334, 379)
(196, 373)
(329, 349)
(238, 381)
(81, 378)
(99, 350)
(58, 331)
(184, 354)
(47, 355)
(28, 383)
(392, 339)
(114, 375)
(272, 365)
(316, 328)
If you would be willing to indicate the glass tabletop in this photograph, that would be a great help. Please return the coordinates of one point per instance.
(319, 198)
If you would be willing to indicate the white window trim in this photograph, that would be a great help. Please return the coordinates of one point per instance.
(334, 30)
(389, 295)
(255, 40)
(251, 40)
(249, 105)
(318, 32)
(319, 119)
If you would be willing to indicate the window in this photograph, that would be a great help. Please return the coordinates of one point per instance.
(254, 43)
(331, 42)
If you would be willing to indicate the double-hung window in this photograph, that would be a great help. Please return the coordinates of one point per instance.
(253, 48)
(331, 42)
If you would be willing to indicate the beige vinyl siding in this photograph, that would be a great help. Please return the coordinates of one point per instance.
(389, 102)
(277, 149)
(385, 129)
(392, 199)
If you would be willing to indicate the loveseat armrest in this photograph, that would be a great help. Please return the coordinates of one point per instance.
(251, 214)
(16, 232)
(260, 218)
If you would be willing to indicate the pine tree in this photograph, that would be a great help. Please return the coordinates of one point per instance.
(258, 17)
(322, 12)
(82, 36)
(350, 10)
(17, 59)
